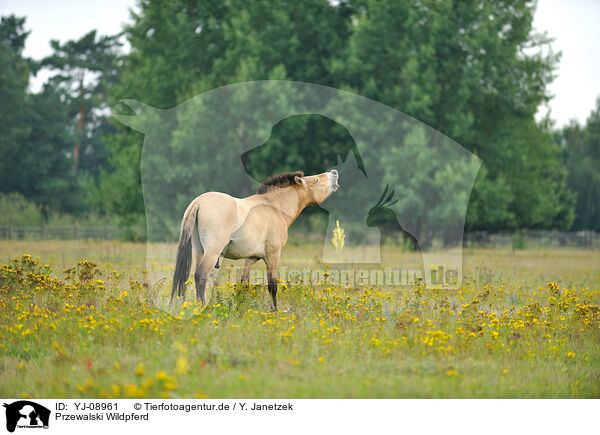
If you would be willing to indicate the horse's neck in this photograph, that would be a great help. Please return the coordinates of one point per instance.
(290, 201)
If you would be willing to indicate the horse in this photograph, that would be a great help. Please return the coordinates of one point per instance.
(254, 228)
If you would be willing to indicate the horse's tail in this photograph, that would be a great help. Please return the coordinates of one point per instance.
(183, 263)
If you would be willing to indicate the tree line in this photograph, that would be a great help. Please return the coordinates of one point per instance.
(473, 70)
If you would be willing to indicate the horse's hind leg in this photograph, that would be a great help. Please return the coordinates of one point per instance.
(204, 260)
(197, 254)
(203, 268)
(200, 278)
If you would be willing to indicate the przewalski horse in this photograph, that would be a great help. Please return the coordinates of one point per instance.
(253, 228)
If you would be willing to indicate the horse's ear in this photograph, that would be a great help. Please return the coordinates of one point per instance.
(298, 180)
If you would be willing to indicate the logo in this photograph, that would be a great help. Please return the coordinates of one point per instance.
(26, 414)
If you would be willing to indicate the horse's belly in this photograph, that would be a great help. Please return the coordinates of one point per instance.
(237, 249)
(248, 241)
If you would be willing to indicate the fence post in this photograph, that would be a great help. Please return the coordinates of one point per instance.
(588, 239)
(76, 229)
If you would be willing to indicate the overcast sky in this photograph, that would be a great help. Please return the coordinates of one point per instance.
(573, 23)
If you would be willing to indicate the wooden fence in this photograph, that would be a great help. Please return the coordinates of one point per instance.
(516, 240)
(64, 232)
(533, 239)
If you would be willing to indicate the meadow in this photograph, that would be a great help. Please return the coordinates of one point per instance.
(80, 319)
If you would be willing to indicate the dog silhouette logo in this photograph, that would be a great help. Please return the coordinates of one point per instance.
(26, 414)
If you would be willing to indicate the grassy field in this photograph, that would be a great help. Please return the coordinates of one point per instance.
(84, 322)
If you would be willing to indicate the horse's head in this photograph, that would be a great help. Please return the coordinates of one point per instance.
(319, 187)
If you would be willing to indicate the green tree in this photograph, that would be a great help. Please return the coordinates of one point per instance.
(44, 159)
(35, 140)
(467, 69)
(84, 69)
(173, 48)
(581, 145)
(473, 70)
(14, 119)
(295, 41)
(220, 43)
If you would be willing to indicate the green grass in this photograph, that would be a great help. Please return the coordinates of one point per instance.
(527, 327)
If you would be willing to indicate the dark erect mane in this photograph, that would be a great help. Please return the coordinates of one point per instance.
(279, 181)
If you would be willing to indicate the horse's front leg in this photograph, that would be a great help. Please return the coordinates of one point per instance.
(272, 260)
(247, 264)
